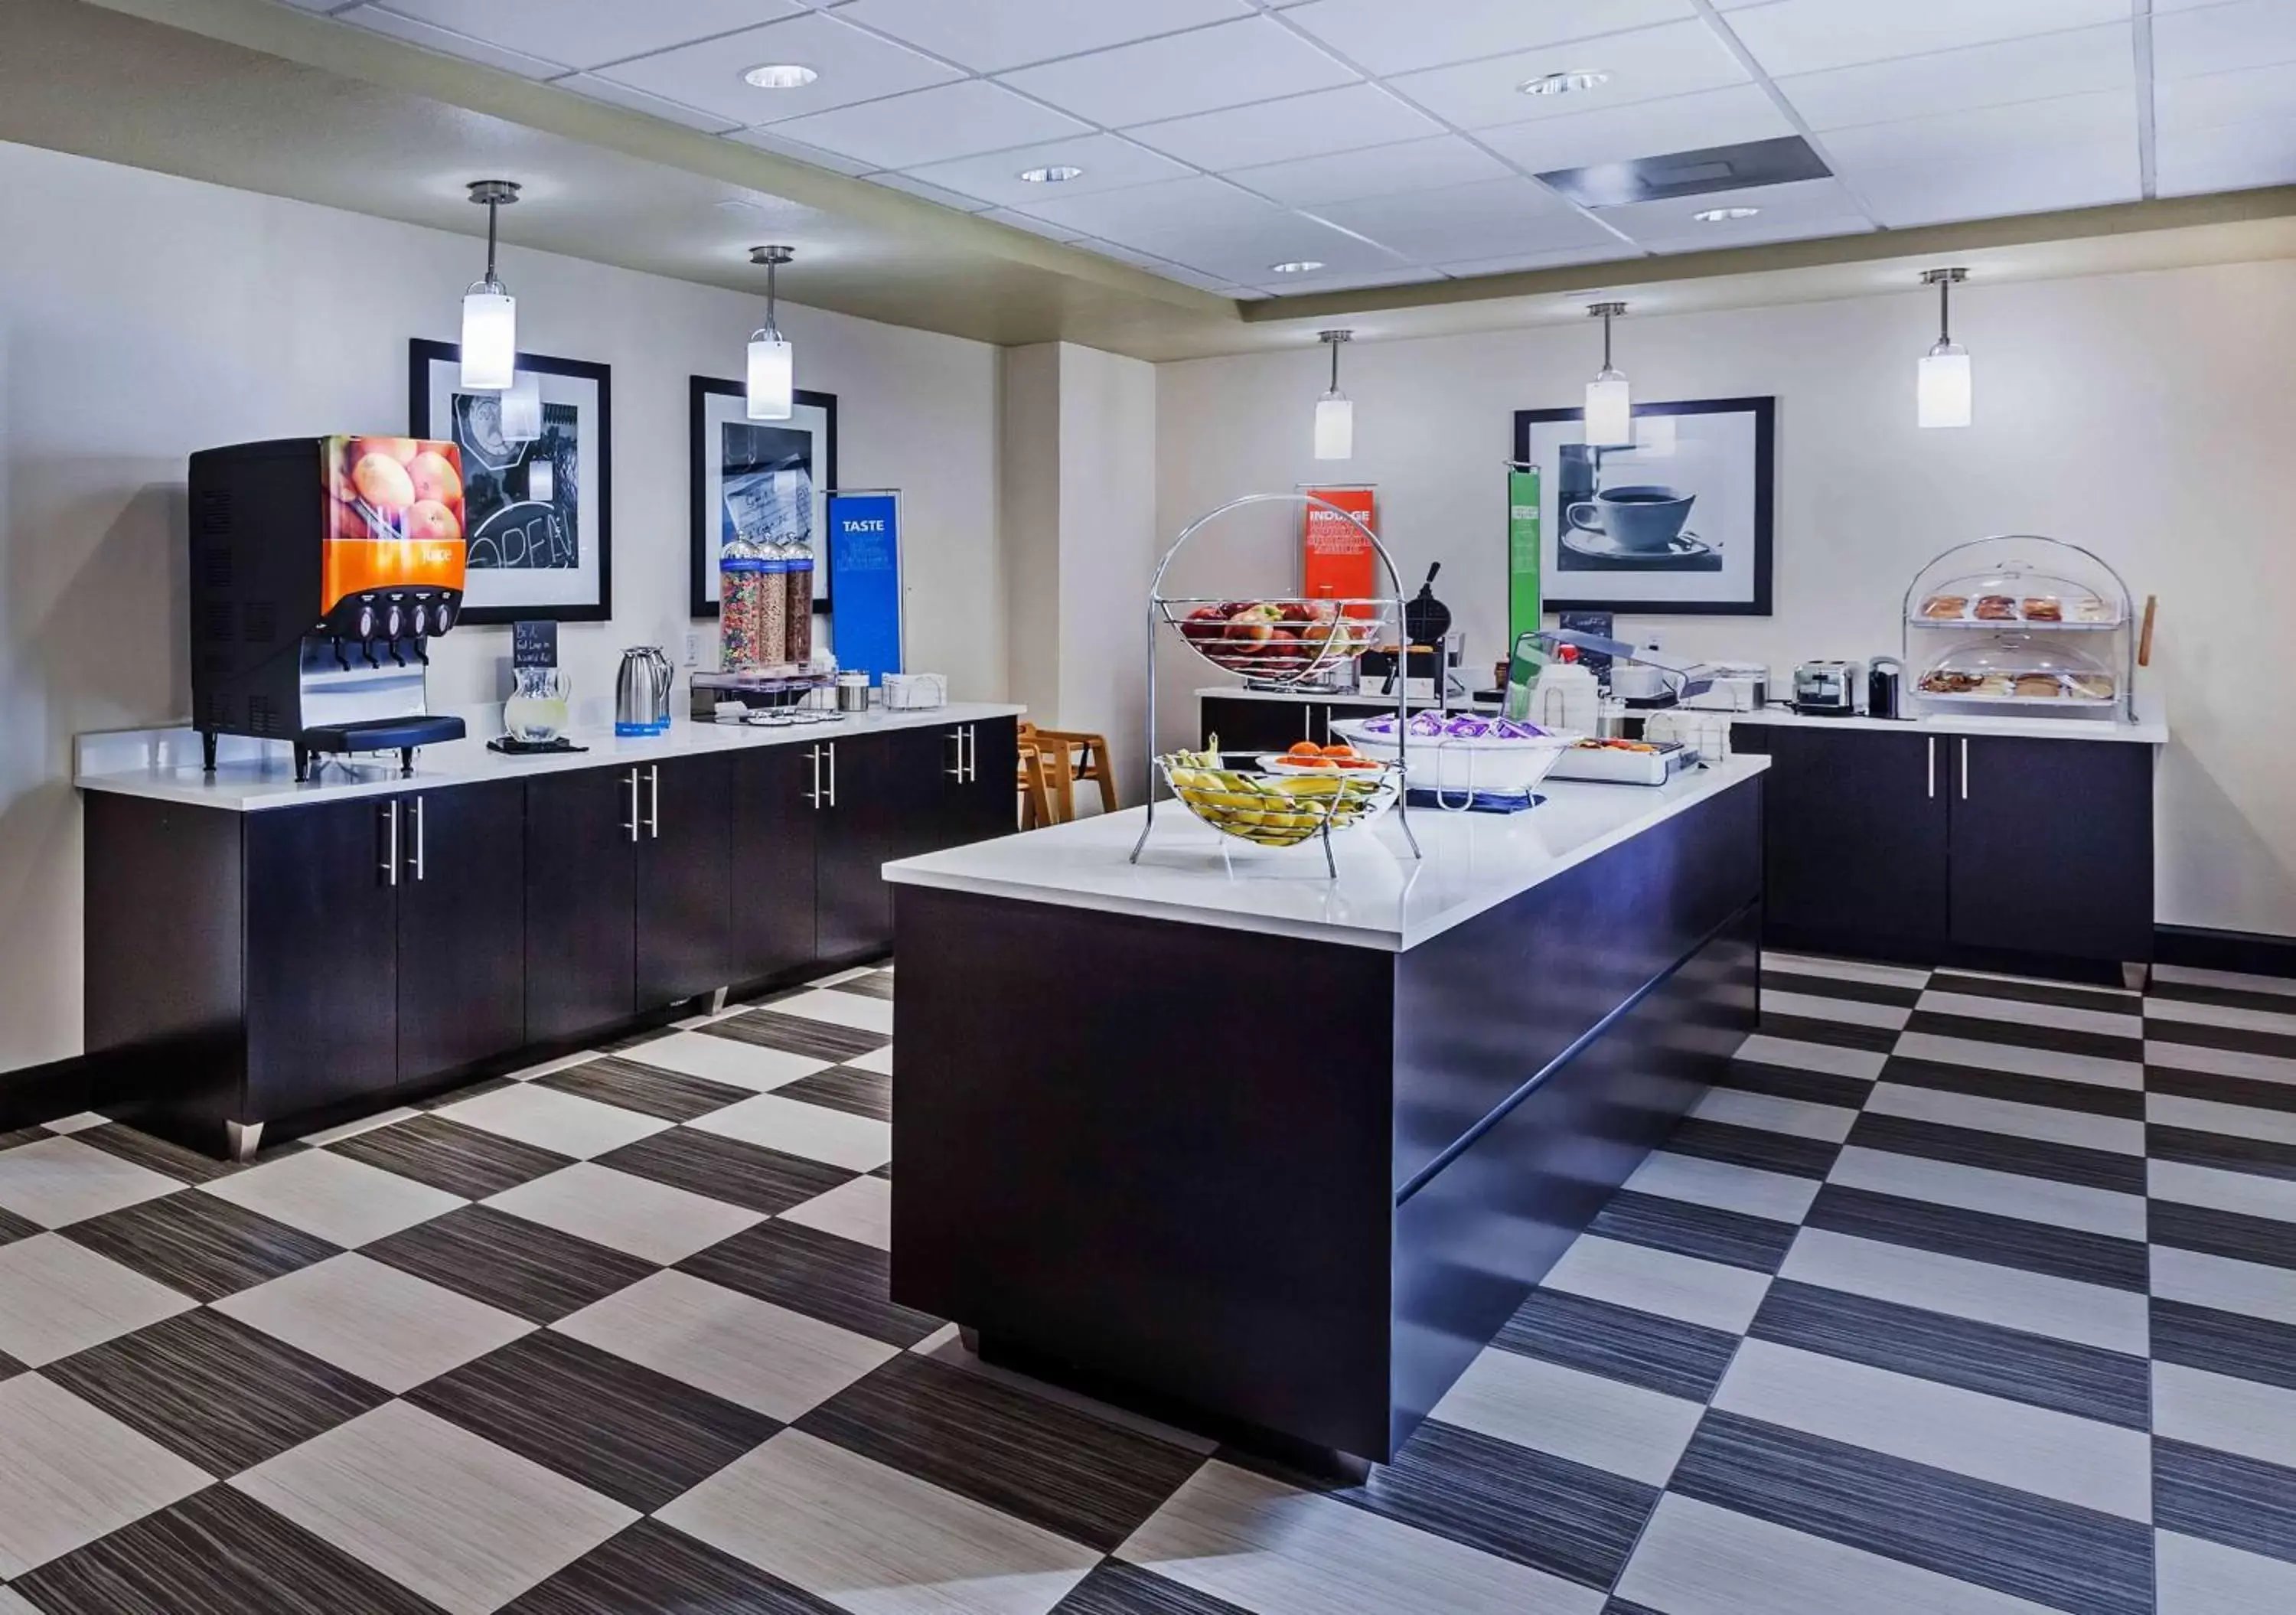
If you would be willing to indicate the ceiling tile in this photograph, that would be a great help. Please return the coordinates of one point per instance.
(2039, 181)
(1802, 211)
(1304, 285)
(854, 66)
(638, 101)
(1520, 263)
(1033, 226)
(1811, 36)
(591, 33)
(446, 41)
(928, 192)
(1673, 59)
(1110, 163)
(1318, 123)
(989, 35)
(1224, 66)
(2226, 157)
(1413, 165)
(781, 146)
(1729, 117)
(2046, 65)
(2223, 98)
(2220, 38)
(1382, 36)
(960, 120)
(2106, 120)
(1170, 204)
(1245, 253)
(1485, 220)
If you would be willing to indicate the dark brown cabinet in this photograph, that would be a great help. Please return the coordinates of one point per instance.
(462, 927)
(685, 869)
(1244, 724)
(773, 835)
(2053, 847)
(581, 901)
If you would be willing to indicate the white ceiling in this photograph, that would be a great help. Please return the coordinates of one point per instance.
(1387, 140)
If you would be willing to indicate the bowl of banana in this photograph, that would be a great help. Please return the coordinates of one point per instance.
(1278, 808)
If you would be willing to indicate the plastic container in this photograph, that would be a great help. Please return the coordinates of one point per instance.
(1566, 696)
(799, 625)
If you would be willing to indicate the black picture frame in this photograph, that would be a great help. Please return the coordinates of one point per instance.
(423, 358)
(703, 494)
(1757, 602)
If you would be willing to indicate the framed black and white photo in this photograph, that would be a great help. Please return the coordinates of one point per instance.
(538, 511)
(1677, 522)
(766, 481)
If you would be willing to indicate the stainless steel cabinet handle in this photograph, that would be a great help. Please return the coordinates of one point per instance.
(1932, 768)
(632, 827)
(1306, 723)
(957, 773)
(653, 800)
(421, 868)
(833, 773)
(391, 850)
(971, 754)
(1964, 767)
(813, 795)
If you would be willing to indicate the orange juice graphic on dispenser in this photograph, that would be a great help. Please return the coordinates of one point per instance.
(396, 516)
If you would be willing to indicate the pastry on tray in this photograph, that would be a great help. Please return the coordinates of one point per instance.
(1943, 682)
(2036, 686)
(1995, 684)
(2043, 608)
(2090, 686)
(1946, 608)
(1996, 608)
(2091, 609)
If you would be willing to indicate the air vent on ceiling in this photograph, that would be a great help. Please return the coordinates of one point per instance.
(1677, 173)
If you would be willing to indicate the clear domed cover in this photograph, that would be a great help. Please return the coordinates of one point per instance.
(2020, 667)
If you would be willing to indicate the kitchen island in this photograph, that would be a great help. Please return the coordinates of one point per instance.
(1274, 1154)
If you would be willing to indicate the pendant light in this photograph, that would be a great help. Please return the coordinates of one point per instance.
(1943, 394)
(490, 312)
(1335, 413)
(1610, 407)
(773, 364)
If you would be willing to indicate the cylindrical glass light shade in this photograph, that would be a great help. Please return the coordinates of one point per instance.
(1336, 426)
(1610, 412)
(490, 339)
(521, 409)
(773, 372)
(1944, 396)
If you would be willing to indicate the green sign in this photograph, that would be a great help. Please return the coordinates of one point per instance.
(1522, 554)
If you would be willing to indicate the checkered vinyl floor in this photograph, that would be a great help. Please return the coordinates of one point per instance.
(1964, 1295)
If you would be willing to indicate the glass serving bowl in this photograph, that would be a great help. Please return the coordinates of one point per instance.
(2019, 669)
(1278, 809)
(2011, 596)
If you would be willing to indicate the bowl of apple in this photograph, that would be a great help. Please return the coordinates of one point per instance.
(1282, 641)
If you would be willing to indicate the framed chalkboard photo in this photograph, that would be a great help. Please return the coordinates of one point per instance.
(766, 481)
(537, 492)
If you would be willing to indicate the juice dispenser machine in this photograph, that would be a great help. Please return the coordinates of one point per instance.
(321, 570)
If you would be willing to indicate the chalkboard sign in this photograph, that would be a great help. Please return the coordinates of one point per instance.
(534, 645)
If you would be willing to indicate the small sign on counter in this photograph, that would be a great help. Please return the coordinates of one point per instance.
(865, 579)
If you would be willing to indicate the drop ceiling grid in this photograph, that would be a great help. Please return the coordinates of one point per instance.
(1950, 109)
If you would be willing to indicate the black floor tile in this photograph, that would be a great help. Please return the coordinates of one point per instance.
(1780, 979)
(445, 1154)
(2224, 1342)
(2244, 1239)
(1641, 1348)
(724, 1168)
(2064, 995)
(2195, 1148)
(524, 1269)
(1117, 1588)
(205, 1247)
(838, 1281)
(2225, 1497)
(437, 1102)
(624, 1080)
(1833, 1033)
(797, 1035)
(216, 1553)
(2239, 1039)
(876, 984)
(1794, 1082)
(221, 1394)
(2049, 1092)
(129, 1144)
(1041, 1461)
(2013, 1542)
(2032, 1035)
(640, 1438)
(13, 1227)
(17, 1137)
(2221, 1090)
(1753, 1147)
(2001, 1153)
(651, 1570)
(2007, 1241)
(841, 1087)
(1715, 1235)
(2229, 998)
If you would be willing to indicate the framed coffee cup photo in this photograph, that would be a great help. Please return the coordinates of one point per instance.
(1677, 522)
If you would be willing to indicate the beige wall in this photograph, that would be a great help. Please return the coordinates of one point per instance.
(2149, 417)
(142, 316)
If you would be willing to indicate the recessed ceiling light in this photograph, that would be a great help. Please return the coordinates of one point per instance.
(1058, 174)
(781, 76)
(1298, 266)
(1717, 216)
(1562, 83)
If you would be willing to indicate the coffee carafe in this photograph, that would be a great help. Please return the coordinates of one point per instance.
(642, 692)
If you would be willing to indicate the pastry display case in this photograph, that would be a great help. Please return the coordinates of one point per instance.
(2021, 623)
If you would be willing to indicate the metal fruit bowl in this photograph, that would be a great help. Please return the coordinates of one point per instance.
(1278, 810)
(1282, 642)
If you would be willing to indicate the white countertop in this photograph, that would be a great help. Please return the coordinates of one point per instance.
(1382, 899)
(1965, 723)
(164, 764)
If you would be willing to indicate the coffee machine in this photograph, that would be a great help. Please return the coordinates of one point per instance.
(321, 570)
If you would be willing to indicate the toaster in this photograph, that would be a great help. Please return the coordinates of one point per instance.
(1828, 689)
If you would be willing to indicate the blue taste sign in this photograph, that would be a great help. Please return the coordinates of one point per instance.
(865, 581)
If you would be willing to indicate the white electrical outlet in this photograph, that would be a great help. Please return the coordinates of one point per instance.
(692, 649)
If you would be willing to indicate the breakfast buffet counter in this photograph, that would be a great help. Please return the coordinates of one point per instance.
(2042, 728)
(1274, 1153)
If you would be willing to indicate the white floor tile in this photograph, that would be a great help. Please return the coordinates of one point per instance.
(1259, 1543)
(2193, 1577)
(15, 1603)
(860, 1143)
(2208, 1116)
(79, 1123)
(623, 1212)
(567, 1123)
(2032, 1449)
(875, 1540)
(61, 1181)
(2220, 1062)
(1982, 1114)
(2238, 982)
(57, 1298)
(2281, 1023)
(1817, 1006)
(382, 1324)
(2198, 1279)
(855, 1009)
(437, 1509)
(2092, 1068)
(766, 1357)
(1659, 1282)
(1695, 1559)
(1724, 1185)
(2011, 1297)
(1861, 1065)
(1607, 1424)
(1846, 970)
(860, 1210)
(364, 1124)
(739, 1065)
(345, 1201)
(1740, 1108)
(563, 1062)
(2229, 1414)
(2125, 1023)
(877, 1060)
(70, 1473)
(2036, 1199)
(850, 973)
(2243, 1194)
